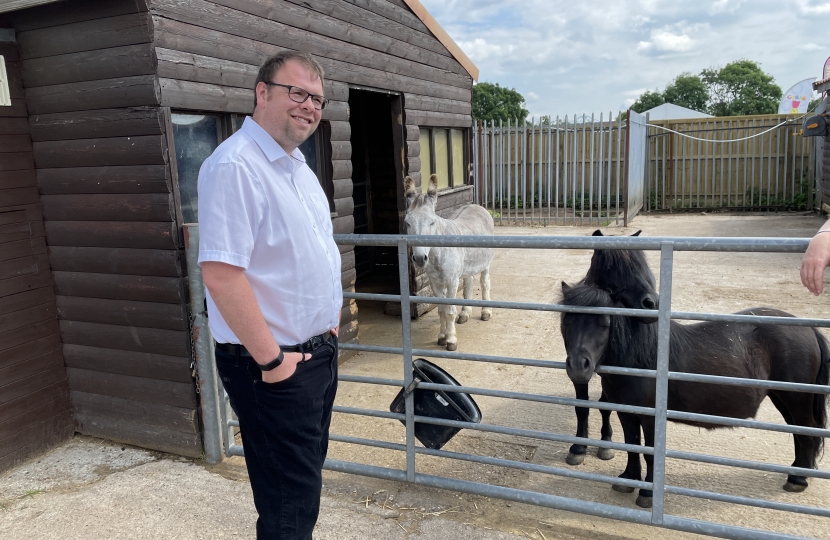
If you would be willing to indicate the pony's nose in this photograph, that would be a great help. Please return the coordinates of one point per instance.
(581, 364)
(419, 259)
(649, 303)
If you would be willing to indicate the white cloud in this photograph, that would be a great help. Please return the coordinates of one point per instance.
(665, 41)
(724, 6)
(812, 8)
(600, 55)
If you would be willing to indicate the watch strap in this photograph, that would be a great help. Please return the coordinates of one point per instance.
(273, 364)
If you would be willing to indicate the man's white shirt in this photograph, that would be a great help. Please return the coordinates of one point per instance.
(264, 210)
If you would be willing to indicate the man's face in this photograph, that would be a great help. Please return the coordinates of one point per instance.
(288, 122)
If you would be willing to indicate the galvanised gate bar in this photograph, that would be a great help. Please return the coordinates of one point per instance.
(667, 246)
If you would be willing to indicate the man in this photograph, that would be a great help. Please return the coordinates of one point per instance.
(816, 259)
(272, 272)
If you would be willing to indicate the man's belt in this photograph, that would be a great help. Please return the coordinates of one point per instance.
(309, 346)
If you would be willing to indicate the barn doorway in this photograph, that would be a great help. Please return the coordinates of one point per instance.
(377, 138)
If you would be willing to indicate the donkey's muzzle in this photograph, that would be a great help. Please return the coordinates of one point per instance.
(420, 259)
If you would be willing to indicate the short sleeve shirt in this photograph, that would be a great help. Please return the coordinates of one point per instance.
(263, 210)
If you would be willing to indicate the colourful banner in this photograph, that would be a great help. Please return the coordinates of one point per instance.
(797, 98)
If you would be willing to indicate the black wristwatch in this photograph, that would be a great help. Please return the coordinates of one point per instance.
(272, 364)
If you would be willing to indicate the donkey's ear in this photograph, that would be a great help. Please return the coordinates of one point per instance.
(637, 233)
(597, 233)
(432, 190)
(409, 190)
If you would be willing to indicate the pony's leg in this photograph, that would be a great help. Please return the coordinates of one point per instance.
(797, 409)
(644, 499)
(464, 316)
(486, 312)
(576, 454)
(605, 453)
(631, 430)
(452, 290)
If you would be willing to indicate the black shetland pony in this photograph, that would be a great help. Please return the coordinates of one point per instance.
(748, 350)
(624, 274)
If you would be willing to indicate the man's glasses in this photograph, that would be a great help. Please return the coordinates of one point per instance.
(299, 95)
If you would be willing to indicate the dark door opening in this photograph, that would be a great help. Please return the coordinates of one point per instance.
(377, 185)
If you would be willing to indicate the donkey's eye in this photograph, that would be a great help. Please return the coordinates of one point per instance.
(431, 223)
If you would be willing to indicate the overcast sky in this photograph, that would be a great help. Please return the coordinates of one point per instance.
(599, 55)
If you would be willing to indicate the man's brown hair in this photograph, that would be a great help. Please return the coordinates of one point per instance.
(275, 63)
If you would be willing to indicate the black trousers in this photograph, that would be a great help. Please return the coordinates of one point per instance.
(285, 434)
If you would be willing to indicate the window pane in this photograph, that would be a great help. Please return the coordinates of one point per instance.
(426, 168)
(442, 160)
(458, 165)
(196, 136)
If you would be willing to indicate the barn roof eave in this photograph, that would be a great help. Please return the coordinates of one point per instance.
(443, 37)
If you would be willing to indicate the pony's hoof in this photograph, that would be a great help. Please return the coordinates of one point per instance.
(462, 319)
(622, 489)
(794, 488)
(575, 459)
(442, 341)
(452, 346)
(644, 502)
(605, 454)
(485, 316)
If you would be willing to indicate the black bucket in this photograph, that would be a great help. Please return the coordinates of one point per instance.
(436, 404)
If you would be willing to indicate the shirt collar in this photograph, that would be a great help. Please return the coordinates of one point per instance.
(272, 150)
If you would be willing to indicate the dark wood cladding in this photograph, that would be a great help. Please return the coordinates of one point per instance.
(165, 290)
(126, 122)
(110, 336)
(108, 207)
(117, 234)
(139, 262)
(119, 179)
(89, 70)
(35, 411)
(88, 35)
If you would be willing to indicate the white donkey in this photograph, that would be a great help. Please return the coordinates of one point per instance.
(445, 266)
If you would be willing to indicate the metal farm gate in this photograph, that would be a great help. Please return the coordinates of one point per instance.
(220, 426)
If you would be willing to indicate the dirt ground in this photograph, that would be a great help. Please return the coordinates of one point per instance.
(93, 489)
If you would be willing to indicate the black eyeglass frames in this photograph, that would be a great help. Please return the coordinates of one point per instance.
(299, 95)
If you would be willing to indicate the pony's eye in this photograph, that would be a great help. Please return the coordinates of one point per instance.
(431, 223)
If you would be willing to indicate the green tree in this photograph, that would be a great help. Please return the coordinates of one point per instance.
(493, 102)
(739, 88)
(648, 100)
(687, 90)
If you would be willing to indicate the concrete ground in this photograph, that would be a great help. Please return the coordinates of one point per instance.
(89, 488)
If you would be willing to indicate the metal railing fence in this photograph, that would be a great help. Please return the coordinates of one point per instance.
(551, 171)
(657, 517)
(739, 163)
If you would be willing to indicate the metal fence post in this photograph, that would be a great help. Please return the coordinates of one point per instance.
(661, 396)
(203, 348)
(406, 327)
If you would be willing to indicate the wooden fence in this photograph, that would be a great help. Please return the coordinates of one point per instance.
(741, 163)
(571, 170)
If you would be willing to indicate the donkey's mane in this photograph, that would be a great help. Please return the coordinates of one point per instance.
(421, 199)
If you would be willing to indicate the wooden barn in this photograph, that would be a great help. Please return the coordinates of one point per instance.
(107, 110)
